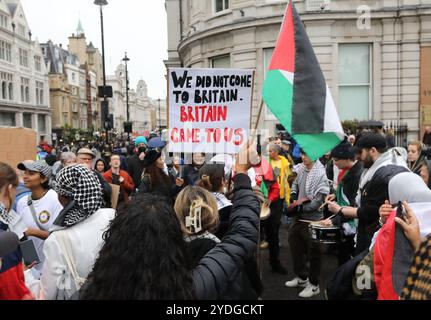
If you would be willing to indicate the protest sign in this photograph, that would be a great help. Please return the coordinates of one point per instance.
(209, 110)
(17, 145)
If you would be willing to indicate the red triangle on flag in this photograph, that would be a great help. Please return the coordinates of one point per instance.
(284, 52)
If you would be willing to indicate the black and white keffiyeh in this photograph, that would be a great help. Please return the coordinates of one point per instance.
(315, 180)
(5, 218)
(222, 201)
(81, 185)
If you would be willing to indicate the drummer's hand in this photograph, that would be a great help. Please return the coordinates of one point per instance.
(334, 207)
(327, 223)
(330, 198)
(385, 211)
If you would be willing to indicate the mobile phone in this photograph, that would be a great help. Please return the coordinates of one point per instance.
(401, 212)
(29, 253)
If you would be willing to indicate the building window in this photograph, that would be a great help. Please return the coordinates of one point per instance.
(25, 90)
(222, 62)
(5, 51)
(6, 86)
(10, 91)
(7, 119)
(355, 83)
(65, 119)
(41, 124)
(4, 90)
(27, 121)
(75, 123)
(39, 93)
(221, 5)
(23, 58)
(38, 63)
(3, 20)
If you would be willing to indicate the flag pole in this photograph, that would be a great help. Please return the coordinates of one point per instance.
(259, 115)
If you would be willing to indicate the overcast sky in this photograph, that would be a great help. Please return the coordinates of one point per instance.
(136, 26)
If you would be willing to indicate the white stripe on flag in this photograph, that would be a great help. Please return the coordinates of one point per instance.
(332, 120)
(288, 75)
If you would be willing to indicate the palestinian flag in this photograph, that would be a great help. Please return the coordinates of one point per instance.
(296, 92)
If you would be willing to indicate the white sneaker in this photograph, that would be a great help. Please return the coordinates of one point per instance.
(297, 282)
(310, 291)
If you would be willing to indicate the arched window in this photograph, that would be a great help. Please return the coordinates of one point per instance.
(27, 94)
(10, 91)
(3, 90)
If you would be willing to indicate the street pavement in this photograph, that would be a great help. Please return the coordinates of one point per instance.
(274, 288)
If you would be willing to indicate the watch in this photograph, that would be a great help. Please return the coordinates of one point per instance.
(340, 212)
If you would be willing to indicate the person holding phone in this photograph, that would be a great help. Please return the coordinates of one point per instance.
(39, 209)
(12, 284)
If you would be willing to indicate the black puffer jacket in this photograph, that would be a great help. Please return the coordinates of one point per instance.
(222, 266)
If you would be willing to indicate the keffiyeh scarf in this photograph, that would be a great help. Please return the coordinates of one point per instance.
(205, 235)
(222, 201)
(5, 218)
(315, 177)
(81, 185)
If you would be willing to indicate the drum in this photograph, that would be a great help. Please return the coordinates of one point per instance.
(325, 235)
(265, 211)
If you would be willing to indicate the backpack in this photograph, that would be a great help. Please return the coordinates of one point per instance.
(340, 284)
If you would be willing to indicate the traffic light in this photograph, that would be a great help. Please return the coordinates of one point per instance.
(105, 91)
(111, 122)
(105, 114)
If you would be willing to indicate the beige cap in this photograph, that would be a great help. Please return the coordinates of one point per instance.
(86, 151)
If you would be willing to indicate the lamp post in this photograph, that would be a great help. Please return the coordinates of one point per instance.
(160, 126)
(102, 3)
(126, 59)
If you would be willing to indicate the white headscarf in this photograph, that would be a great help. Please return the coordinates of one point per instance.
(410, 187)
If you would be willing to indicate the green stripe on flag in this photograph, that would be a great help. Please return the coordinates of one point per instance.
(316, 145)
(278, 96)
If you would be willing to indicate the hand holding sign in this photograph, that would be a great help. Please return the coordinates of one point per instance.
(209, 109)
(247, 158)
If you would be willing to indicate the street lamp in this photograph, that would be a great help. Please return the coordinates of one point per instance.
(102, 3)
(126, 59)
(160, 126)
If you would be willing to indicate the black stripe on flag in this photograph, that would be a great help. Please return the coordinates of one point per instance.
(309, 91)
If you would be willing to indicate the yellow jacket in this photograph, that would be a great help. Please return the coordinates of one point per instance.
(283, 178)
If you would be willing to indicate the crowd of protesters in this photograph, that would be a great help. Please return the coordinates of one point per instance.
(189, 227)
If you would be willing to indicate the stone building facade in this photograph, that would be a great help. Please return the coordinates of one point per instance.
(67, 81)
(374, 54)
(24, 84)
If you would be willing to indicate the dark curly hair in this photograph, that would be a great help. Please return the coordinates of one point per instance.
(144, 256)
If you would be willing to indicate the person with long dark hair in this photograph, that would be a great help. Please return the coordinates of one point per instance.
(146, 237)
(154, 178)
(100, 166)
